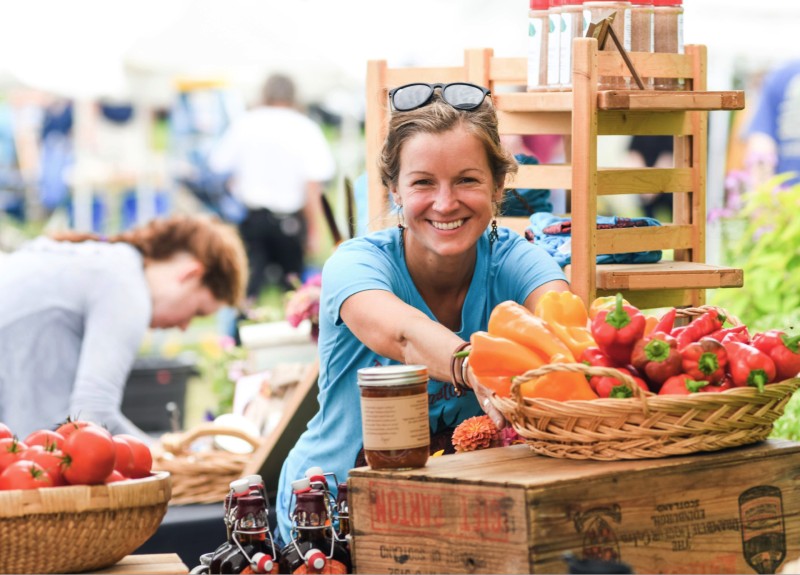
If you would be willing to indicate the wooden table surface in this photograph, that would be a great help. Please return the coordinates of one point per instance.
(165, 563)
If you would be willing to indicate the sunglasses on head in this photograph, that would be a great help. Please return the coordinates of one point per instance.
(460, 95)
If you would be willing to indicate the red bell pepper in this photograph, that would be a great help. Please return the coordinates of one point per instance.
(705, 360)
(682, 385)
(738, 332)
(616, 331)
(657, 358)
(749, 366)
(607, 386)
(724, 384)
(593, 357)
(783, 349)
(707, 323)
(667, 322)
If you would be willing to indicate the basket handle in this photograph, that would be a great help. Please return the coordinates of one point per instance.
(692, 312)
(638, 392)
(179, 442)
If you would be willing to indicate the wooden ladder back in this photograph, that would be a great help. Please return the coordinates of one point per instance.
(581, 115)
(683, 115)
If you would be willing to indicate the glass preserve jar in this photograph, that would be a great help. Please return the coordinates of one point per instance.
(394, 416)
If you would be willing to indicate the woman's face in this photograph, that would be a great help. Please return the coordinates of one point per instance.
(179, 299)
(446, 189)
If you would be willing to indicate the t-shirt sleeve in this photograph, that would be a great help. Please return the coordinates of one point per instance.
(522, 267)
(354, 267)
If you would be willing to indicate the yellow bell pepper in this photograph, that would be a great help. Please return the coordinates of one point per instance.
(566, 316)
(601, 303)
(517, 323)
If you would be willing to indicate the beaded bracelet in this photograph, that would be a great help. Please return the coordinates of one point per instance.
(456, 369)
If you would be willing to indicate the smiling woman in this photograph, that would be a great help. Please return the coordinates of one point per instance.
(74, 309)
(414, 294)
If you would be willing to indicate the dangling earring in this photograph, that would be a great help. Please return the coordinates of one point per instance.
(493, 237)
(401, 221)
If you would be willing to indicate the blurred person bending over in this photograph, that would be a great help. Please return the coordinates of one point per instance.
(773, 136)
(74, 309)
(415, 293)
(278, 160)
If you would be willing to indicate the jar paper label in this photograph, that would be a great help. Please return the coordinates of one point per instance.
(395, 422)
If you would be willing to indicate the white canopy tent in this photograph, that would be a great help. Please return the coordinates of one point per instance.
(88, 49)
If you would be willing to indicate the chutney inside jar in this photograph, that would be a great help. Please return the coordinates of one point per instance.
(394, 416)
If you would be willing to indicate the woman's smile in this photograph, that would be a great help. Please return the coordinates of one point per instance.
(452, 225)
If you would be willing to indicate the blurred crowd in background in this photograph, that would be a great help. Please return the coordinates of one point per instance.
(107, 121)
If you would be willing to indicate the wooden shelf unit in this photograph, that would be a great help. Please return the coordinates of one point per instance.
(581, 115)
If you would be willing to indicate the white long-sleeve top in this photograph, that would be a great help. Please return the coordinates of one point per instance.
(72, 318)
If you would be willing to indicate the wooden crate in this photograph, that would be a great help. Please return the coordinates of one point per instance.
(506, 510)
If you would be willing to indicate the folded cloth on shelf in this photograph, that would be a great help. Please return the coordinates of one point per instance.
(553, 234)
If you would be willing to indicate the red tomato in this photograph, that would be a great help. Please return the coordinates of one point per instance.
(50, 440)
(24, 474)
(89, 456)
(50, 462)
(115, 476)
(142, 457)
(5, 431)
(10, 450)
(124, 460)
(69, 426)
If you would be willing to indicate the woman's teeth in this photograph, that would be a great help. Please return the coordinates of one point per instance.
(447, 225)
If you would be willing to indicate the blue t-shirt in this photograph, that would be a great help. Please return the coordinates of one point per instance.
(511, 270)
(777, 113)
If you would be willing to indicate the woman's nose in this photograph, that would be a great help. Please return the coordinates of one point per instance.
(445, 199)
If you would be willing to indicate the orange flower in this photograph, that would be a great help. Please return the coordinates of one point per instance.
(477, 432)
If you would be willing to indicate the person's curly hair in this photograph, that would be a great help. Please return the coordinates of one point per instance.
(212, 242)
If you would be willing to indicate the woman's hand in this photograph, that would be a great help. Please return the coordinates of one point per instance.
(482, 394)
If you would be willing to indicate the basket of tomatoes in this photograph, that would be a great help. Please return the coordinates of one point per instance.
(75, 499)
(610, 383)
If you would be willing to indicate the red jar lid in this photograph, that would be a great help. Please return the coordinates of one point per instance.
(539, 4)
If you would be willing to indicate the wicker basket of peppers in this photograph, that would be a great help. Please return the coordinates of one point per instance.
(611, 383)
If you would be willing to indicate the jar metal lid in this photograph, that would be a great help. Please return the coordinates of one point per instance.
(392, 375)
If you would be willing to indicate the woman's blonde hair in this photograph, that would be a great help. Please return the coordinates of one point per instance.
(437, 117)
(212, 242)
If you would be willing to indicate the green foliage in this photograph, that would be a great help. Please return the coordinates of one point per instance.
(767, 247)
(765, 243)
(787, 426)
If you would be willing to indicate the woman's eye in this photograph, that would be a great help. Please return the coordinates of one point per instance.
(420, 183)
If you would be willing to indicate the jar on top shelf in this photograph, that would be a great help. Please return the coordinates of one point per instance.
(642, 30)
(597, 10)
(538, 28)
(573, 25)
(668, 37)
(554, 44)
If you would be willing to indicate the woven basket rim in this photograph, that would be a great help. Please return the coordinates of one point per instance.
(147, 491)
(507, 405)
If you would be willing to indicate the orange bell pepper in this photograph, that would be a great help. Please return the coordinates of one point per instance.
(517, 323)
(559, 385)
(495, 356)
(500, 384)
(650, 323)
(566, 316)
